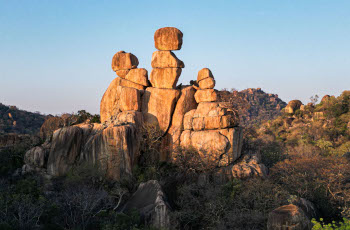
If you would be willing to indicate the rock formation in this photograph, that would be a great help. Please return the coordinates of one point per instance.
(212, 128)
(290, 216)
(249, 166)
(186, 115)
(151, 202)
(293, 106)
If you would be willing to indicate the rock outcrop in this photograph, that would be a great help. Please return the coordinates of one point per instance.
(124, 61)
(168, 38)
(212, 129)
(151, 202)
(293, 106)
(114, 149)
(187, 116)
(249, 166)
(288, 217)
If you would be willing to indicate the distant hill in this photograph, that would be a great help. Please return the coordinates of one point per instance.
(254, 105)
(14, 120)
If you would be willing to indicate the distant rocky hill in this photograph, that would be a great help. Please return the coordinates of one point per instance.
(14, 120)
(254, 105)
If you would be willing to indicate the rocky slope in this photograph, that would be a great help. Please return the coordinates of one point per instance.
(254, 105)
(14, 120)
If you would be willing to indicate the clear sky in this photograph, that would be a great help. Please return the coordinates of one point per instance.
(55, 56)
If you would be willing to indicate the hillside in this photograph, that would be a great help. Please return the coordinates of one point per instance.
(14, 120)
(319, 128)
(254, 105)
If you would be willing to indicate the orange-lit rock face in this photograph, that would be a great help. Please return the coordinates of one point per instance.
(220, 146)
(124, 61)
(213, 122)
(129, 99)
(127, 83)
(168, 38)
(111, 100)
(138, 76)
(165, 78)
(203, 74)
(207, 83)
(205, 95)
(122, 73)
(166, 59)
(185, 104)
(158, 106)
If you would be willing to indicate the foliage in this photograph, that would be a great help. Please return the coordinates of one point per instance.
(341, 225)
(322, 180)
(235, 205)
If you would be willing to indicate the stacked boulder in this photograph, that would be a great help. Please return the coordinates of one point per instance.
(166, 66)
(212, 129)
(206, 83)
(124, 93)
(188, 116)
(159, 100)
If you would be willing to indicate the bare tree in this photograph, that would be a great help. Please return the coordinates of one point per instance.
(81, 205)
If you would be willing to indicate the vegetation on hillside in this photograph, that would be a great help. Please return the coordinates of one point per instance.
(254, 105)
(306, 152)
(14, 120)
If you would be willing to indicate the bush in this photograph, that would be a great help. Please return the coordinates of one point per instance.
(235, 205)
(342, 225)
(322, 180)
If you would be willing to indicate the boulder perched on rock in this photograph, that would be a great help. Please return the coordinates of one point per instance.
(166, 59)
(138, 76)
(127, 83)
(124, 61)
(151, 202)
(207, 83)
(165, 78)
(293, 106)
(158, 106)
(203, 74)
(288, 217)
(122, 73)
(168, 38)
(205, 95)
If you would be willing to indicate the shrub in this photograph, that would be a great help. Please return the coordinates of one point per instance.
(341, 225)
(322, 180)
(235, 205)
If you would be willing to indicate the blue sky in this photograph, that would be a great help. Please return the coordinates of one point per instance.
(55, 56)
